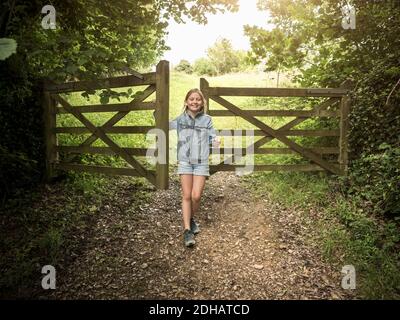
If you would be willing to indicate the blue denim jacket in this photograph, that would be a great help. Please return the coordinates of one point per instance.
(195, 135)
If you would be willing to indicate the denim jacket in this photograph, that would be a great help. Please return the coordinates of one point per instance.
(195, 135)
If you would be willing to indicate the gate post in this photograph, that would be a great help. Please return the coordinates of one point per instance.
(49, 117)
(204, 89)
(344, 128)
(162, 120)
(345, 103)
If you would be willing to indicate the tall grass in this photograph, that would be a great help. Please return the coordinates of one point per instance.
(347, 234)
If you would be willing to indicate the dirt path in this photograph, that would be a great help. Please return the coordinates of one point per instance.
(247, 249)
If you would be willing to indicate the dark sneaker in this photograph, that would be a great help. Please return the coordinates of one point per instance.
(194, 227)
(188, 238)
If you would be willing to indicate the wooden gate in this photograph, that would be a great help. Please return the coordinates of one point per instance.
(157, 82)
(314, 155)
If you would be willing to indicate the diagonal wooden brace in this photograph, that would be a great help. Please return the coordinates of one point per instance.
(323, 106)
(121, 114)
(99, 133)
(275, 133)
(116, 118)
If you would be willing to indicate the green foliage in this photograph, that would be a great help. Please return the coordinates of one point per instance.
(204, 66)
(184, 66)
(244, 62)
(279, 51)
(373, 119)
(51, 243)
(223, 56)
(345, 232)
(39, 225)
(291, 188)
(368, 244)
(13, 165)
(21, 145)
(309, 36)
(326, 54)
(121, 34)
(51, 224)
(92, 39)
(375, 178)
(7, 48)
(222, 59)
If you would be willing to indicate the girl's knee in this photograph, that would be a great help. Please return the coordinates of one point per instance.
(196, 197)
(186, 196)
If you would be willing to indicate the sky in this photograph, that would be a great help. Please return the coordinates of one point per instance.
(190, 41)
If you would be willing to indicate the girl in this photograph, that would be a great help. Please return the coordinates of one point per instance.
(195, 134)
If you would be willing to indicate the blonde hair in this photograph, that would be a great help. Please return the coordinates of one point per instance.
(198, 91)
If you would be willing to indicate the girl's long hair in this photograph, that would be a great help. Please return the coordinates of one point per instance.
(198, 91)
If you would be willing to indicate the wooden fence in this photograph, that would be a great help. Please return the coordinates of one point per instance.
(314, 155)
(157, 82)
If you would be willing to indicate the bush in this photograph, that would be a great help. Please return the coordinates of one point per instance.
(184, 66)
(373, 119)
(204, 66)
(222, 59)
(375, 179)
(22, 151)
(223, 56)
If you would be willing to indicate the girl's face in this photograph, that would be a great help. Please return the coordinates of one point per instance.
(194, 102)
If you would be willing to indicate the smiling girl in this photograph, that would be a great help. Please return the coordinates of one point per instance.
(195, 134)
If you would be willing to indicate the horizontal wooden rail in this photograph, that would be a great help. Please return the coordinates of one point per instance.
(111, 107)
(143, 151)
(100, 169)
(116, 82)
(278, 113)
(242, 151)
(276, 92)
(103, 150)
(304, 133)
(116, 129)
(268, 167)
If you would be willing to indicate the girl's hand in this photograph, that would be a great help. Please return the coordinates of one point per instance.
(216, 143)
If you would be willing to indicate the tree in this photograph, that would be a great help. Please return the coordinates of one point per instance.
(184, 66)
(223, 56)
(244, 61)
(92, 39)
(316, 42)
(310, 36)
(204, 66)
(278, 51)
(97, 38)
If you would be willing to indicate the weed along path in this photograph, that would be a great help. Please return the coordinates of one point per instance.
(248, 248)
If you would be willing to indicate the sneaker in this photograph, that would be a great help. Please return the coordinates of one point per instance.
(194, 227)
(188, 238)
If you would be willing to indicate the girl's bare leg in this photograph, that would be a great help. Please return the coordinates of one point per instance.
(187, 183)
(197, 190)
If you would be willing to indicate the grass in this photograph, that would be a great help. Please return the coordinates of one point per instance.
(347, 234)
